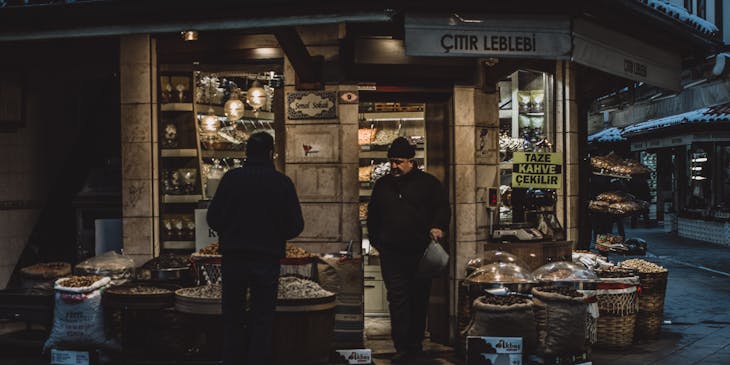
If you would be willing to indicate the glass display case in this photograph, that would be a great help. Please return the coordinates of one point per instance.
(204, 120)
(525, 126)
(230, 107)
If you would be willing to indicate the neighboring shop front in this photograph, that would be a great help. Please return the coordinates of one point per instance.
(692, 152)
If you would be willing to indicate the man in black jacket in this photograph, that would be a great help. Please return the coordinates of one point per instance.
(407, 209)
(254, 211)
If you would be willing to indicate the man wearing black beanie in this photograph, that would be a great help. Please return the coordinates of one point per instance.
(407, 209)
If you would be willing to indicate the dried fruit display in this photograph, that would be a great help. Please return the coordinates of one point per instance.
(643, 266)
(505, 300)
(211, 291)
(137, 290)
(291, 287)
(167, 262)
(614, 164)
(79, 281)
(47, 270)
(568, 292)
(211, 249)
(296, 252)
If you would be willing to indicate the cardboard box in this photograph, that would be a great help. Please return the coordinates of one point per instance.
(493, 350)
(357, 356)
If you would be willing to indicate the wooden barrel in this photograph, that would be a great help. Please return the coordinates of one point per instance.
(303, 331)
(536, 254)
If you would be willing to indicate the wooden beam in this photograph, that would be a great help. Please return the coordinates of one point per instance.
(307, 68)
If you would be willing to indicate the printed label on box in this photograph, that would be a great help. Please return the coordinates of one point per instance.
(357, 356)
(493, 350)
(66, 357)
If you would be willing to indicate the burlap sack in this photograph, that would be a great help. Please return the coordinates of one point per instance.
(561, 326)
(517, 320)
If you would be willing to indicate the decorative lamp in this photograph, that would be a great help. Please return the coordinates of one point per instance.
(190, 35)
(210, 122)
(256, 96)
(234, 107)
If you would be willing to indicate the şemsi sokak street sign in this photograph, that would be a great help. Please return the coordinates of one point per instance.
(537, 170)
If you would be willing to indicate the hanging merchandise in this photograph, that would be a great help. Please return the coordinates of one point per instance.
(256, 96)
(234, 107)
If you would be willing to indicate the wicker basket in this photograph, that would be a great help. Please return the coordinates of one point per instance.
(648, 325)
(651, 304)
(616, 331)
(654, 282)
(618, 304)
(207, 268)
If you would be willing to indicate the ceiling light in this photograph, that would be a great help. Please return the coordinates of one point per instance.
(190, 35)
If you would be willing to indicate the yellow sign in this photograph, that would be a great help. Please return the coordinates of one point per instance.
(537, 170)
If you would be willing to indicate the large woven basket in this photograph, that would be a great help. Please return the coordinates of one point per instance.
(618, 304)
(648, 325)
(616, 331)
(654, 282)
(651, 304)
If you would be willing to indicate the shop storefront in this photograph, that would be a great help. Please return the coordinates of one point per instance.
(692, 172)
(494, 101)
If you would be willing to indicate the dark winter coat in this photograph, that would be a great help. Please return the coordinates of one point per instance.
(255, 210)
(402, 211)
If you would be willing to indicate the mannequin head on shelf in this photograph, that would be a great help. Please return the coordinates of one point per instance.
(260, 147)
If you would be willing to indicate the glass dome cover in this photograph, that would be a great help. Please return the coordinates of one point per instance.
(501, 272)
(493, 256)
(563, 271)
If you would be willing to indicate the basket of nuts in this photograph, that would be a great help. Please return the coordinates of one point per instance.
(653, 280)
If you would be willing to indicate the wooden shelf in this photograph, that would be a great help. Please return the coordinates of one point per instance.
(176, 107)
(178, 245)
(223, 154)
(182, 152)
(181, 199)
(247, 114)
(366, 192)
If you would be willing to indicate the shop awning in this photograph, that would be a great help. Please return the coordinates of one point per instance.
(709, 115)
(607, 135)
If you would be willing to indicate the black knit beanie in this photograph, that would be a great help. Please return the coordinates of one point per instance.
(401, 148)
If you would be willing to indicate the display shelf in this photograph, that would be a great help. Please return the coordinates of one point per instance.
(181, 199)
(203, 109)
(604, 173)
(178, 245)
(176, 107)
(223, 154)
(182, 152)
(366, 192)
(531, 114)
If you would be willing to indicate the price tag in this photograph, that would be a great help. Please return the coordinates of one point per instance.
(68, 357)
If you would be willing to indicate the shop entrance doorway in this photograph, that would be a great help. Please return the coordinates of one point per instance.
(424, 120)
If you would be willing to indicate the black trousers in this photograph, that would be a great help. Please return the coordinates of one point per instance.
(249, 341)
(407, 298)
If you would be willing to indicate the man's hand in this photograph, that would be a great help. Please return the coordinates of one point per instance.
(437, 234)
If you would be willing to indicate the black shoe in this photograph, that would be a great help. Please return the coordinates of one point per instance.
(400, 357)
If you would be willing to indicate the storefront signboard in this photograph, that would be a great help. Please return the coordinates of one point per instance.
(537, 170)
(357, 356)
(481, 35)
(312, 105)
(204, 235)
(622, 55)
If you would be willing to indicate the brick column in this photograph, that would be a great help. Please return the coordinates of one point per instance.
(138, 69)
